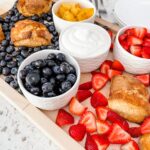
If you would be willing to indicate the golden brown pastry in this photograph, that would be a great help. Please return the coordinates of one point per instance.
(33, 7)
(30, 34)
(2, 37)
(129, 98)
(145, 142)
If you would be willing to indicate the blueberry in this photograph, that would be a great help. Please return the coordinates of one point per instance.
(22, 48)
(43, 80)
(10, 49)
(28, 68)
(2, 48)
(44, 16)
(8, 57)
(11, 64)
(46, 72)
(43, 47)
(11, 13)
(11, 44)
(49, 18)
(65, 86)
(1, 20)
(2, 54)
(14, 84)
(60, 77)
(23, 74)
(15, 53)
(38, 63)
(72, 78)
(8, 79)
(55, 33)
(14, 18)
(51, 28)
(50, 94)
(51, 56)
(14, 71)
(51, 63)
(35, 18)
(36, 49)
(4, 43)
(35, 90)
(30, 50)
(47, 87)
(61, 57)
(33, 78)
(65, 67)
(1, 70)
(3, 63)
(5, 27)
(72, 69)
(19, 58)
(56, 69)
(6, 71)
(21, 17)
(24, 53)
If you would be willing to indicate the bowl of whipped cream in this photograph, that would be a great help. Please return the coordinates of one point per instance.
(88, 43)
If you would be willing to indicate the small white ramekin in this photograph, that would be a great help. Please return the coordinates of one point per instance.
(132, 64)
(88, 63)
(52, 103)
(62, 24)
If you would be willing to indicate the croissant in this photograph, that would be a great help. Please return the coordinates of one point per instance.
(129, 98)
(2, 37)
(33, 7)
(145, 142)
(30, 34)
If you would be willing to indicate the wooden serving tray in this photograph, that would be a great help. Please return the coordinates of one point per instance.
(45, 120)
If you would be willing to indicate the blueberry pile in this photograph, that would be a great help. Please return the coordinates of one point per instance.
(49, 77)
(10, 56)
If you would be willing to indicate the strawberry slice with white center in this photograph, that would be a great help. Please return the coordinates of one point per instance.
(145, 127)
(83, 95)
(125, 45)
(139, 32)
(102, 112)
(85, 86)
(101, 141)
(118, 135)
(112, 73)
(132, 145)
(98, 99)
(116, 65)
(146, 42)
(129, 32)
(136, 50)
(146, 52)
(105, 66)
(103, 127)
(123, 37)
(99, 80)
(132, 40)
(89, 120)
(76, 108)
(145, 79)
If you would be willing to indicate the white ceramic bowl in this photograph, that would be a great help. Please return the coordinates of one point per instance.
(132, 64)
(62, 24)
(52, 103)
(89, 60)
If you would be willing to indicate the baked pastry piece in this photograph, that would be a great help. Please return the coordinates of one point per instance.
(33, 7)
(129, 98)
(30, 34)
(2, 37)
(145, 142)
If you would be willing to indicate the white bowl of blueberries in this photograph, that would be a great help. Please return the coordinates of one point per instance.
(49, 79)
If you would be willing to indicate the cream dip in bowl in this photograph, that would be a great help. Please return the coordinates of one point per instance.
(88, 43)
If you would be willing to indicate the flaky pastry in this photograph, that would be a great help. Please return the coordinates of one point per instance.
(30, 34)
(2, 37)
(145, 142)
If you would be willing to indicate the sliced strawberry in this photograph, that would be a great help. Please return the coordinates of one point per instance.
(90, 144)
(105, 66)
(102, 112)
(88, 119)
(86, 86)
(146, 42)
(145, 52)
(98, 99)
(123, 37)
(134, 41)
(112, 46)
(112, 73)
(148, 35)
(139, 32)
(129, 32)
(115, 118)
(83, 95)
(116, 65)
(125, 45)
(136, 50)
(99, 80)
(135, 131)
(64, 118)
(145, 79)
(101, 141)
(77, 132)
(145, 127)
(75, 107)
(103, 127)
(118, 135)
(132, 145)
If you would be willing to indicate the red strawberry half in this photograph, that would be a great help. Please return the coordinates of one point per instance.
(77, 132)
(136, 50)
(88, 119)
(145, 79)
(132, 145)
(139, 32)
(112, 73)
(83, 95)
(102, 112)
(132, 40)
(135, 131)
(145, 127)
(99, 80)
(98, 99)
(105, 66)
(146, 52)
(76, 108)
(101, 141)
(125, 45)
(116, 65)
(118, 135)
(123, 37)
(64, 118)
(146, 42)
(85, 86)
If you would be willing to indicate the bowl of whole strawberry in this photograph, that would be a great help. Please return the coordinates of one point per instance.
(49, 79)
(132, 49)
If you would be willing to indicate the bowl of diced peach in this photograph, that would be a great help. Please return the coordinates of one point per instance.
(68, 12)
